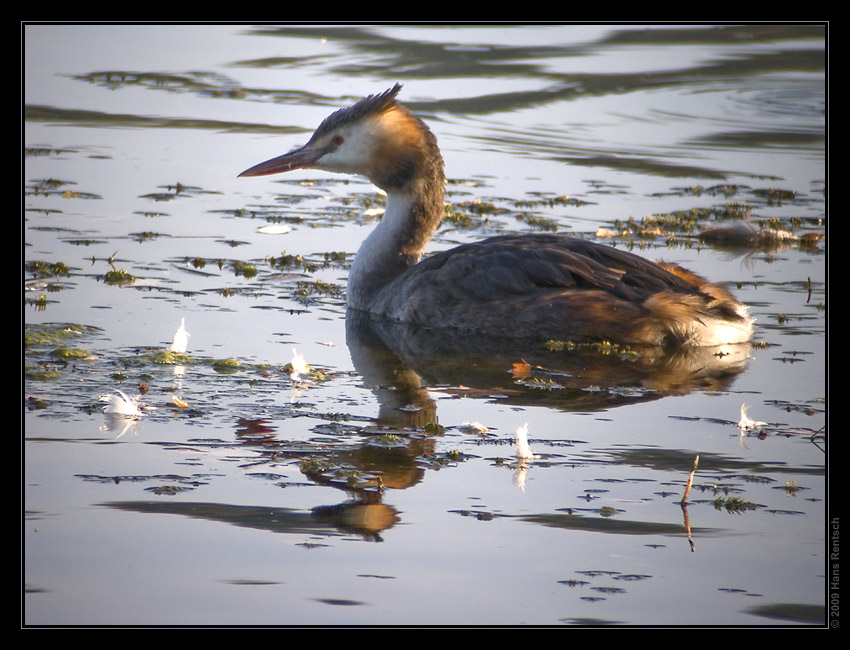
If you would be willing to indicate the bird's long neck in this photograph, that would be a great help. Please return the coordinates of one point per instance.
(413, 213)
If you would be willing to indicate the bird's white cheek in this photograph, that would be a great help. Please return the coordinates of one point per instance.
(353, 156)
(339, 163)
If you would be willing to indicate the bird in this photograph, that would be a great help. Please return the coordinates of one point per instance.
(518, 286)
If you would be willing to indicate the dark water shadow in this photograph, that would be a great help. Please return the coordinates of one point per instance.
(361, 519)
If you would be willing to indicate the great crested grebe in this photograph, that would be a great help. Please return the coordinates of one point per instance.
(514, 286)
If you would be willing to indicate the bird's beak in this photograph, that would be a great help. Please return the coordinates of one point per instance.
(295, 159)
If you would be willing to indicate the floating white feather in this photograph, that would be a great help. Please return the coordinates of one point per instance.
(299, 366)
(121, 405)
(746, 423)
(473, 427)
(523, 450)
(181, 339)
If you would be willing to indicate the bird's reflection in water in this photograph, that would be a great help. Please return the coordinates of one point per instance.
(400, 362)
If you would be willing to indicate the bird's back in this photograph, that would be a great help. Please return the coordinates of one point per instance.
(554, 287)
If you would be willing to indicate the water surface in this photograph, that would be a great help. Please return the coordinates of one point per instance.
(354, 495)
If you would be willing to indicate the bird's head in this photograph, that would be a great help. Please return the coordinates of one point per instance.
(376, 138)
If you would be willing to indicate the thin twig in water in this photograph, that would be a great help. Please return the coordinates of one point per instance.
(690, 481)
(684, 504)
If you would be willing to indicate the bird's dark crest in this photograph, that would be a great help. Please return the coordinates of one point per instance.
(371, 105)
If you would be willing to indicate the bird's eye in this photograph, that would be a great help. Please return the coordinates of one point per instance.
(338, 140)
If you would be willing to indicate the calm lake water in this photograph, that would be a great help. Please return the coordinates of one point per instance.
(353, 494)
